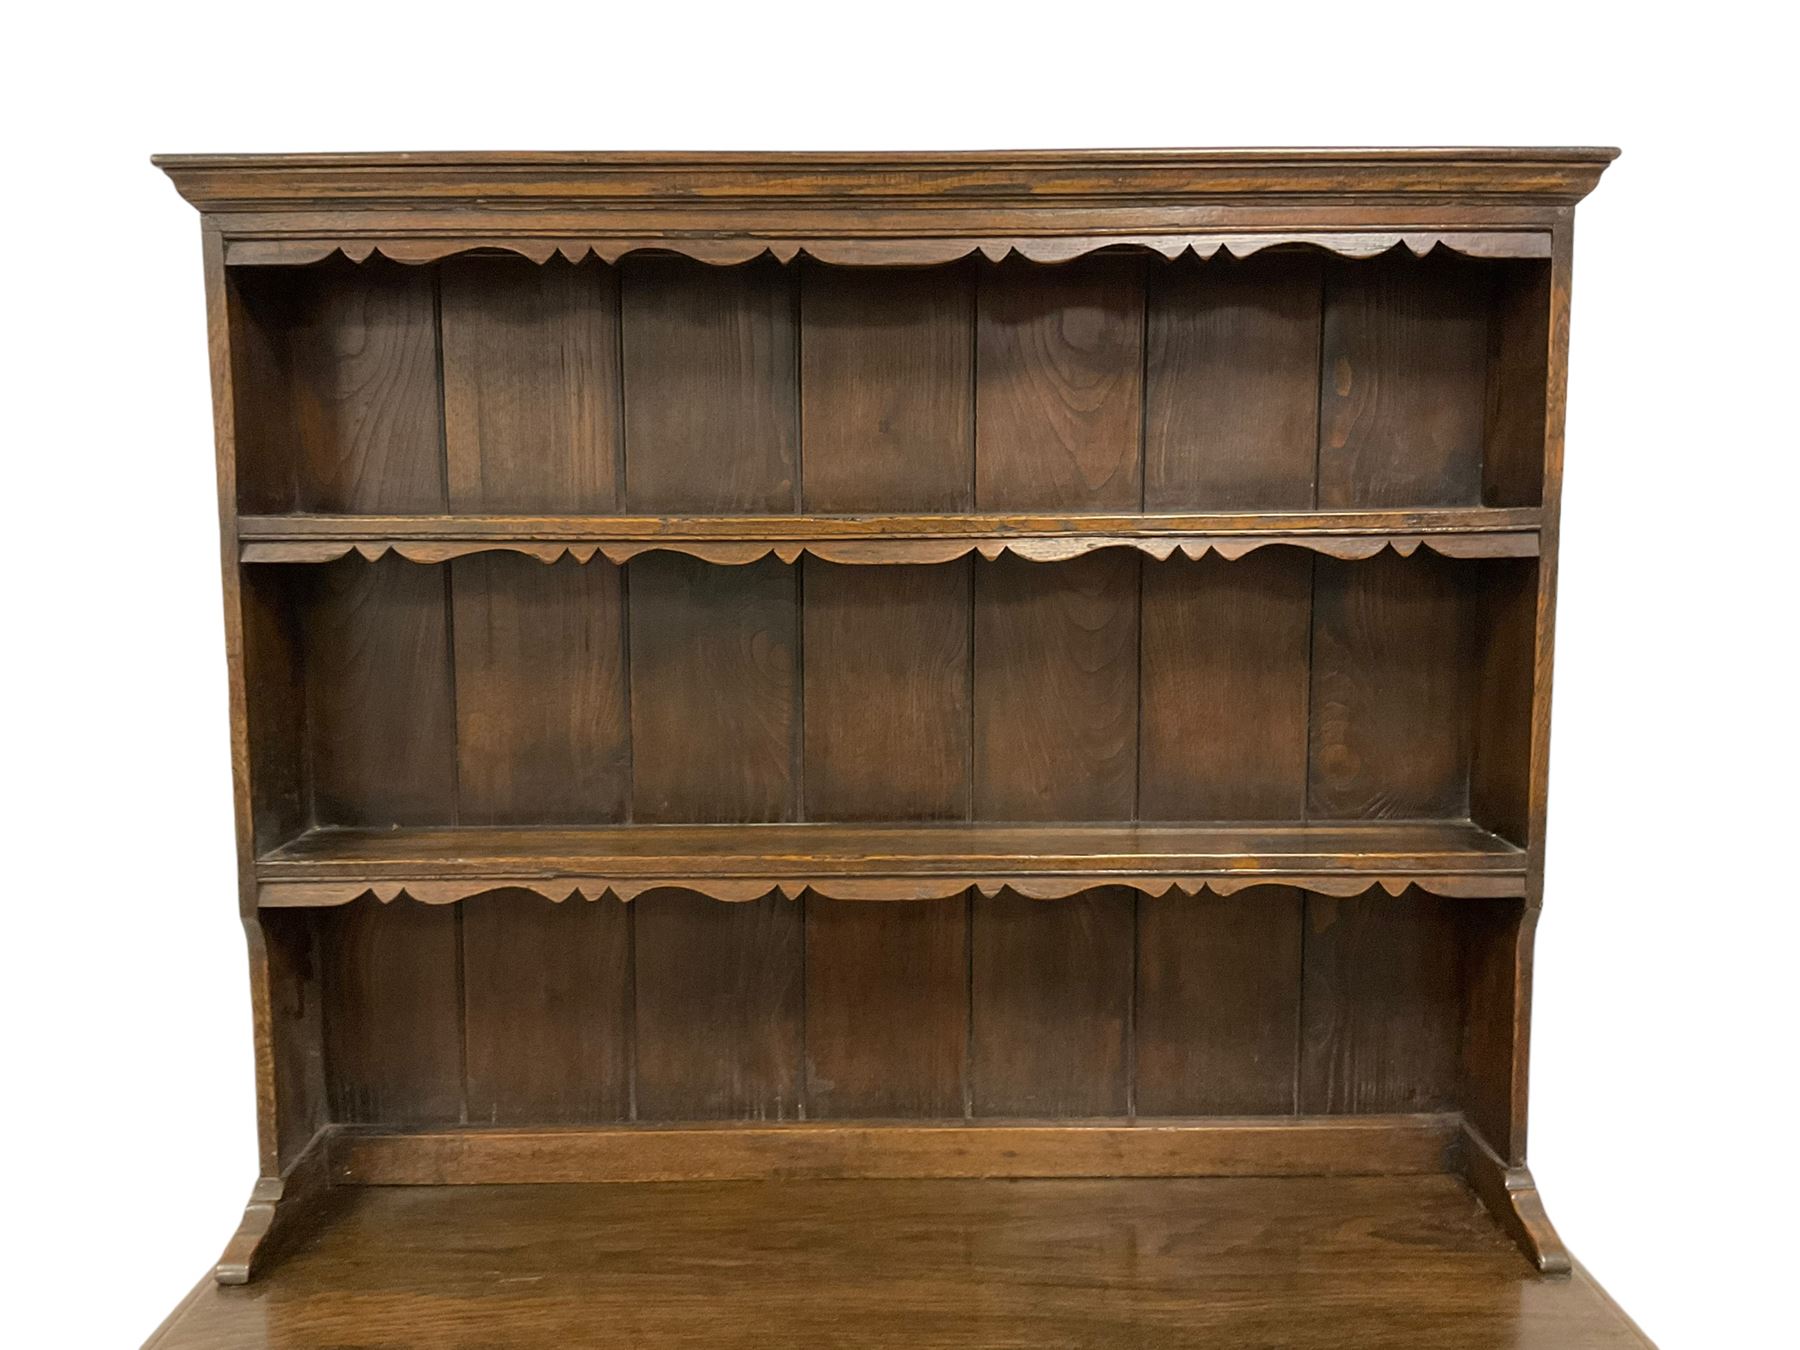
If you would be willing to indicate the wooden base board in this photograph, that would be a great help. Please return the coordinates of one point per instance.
(1294, 1263)
(1317, 1146)
(283, 1209)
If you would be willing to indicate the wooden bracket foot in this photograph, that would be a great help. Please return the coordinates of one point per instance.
(1511, 1196)
(280, 1208)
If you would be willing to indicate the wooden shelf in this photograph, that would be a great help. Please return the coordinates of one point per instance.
(334, 866)
(1338, 1261)
(1485, 532)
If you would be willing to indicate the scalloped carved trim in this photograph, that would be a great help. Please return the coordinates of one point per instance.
(1350, 548)
(326, 894)
(889, 252)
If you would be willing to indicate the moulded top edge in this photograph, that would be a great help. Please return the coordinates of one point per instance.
(218, 183)
(896, 159)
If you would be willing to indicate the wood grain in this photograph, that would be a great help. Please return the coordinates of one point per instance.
(887, 1009)
(380, 706)
(1232, 384)
(709, 358)
(1217, 1022)
(548, 1010)
(367, 399)
(1405, 382)
(391, 1012)
(1225, 685)
(1382, 1007)
(886, 374)
(1348, 1263)
(719, 1008)
(531, 385)
(712, 683)
(1059, 389)
(542, 728)
(1050, 988)
(1056, 689)
(887, 692)
(1391, 689)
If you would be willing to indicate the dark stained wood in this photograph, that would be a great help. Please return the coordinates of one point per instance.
(1391, 689)
(1039, 638)
(1505, 694)
(1056, 706)
(1051, 860)
(1381, 1005)
(379, 699)
(886, 371)
(1232, 393)
(887, 695)
(1518, 386)
(1217, 1026)
(887, 1009)
(392, 1014)
(1059, 393)
(548, 1011)
(1225, 684)
(531, 385)
(719, 1016)
(1311, 1146)
(1050, 988)
(709, 360)
(1382, 1263)
(712, 685)
(542, 727)
(1404, 382)
(367, 403)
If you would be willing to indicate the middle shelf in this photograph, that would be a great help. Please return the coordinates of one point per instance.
(335, 865)
(1464, 532)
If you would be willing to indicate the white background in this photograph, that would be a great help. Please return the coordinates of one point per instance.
(1663, 1060)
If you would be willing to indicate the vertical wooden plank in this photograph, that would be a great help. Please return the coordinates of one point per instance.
(363, 357)
(1497, 943)
(541, 721)
(1218, 1004)
(887, 1011)
(1059, 379)
(531, 380)
(260, 313)
(719, 1008)
(1056, 683)
(380, 705)
(1518, 386)
(709, 358)
(1050, 1015)
(1232, 387)
(1226, 656)
(712, 690)
(392, 1017)
(886, 692)
(547, 1003)
(1391, 684)
(1505, 683)
(274, 674)
(296, 1031)
(1405, 353)
(1382, 1008)
(885, 381)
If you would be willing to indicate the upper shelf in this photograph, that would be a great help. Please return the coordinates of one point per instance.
(1475, 532)
(333, 866)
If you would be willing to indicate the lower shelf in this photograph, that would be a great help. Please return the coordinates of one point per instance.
(1379, 1261)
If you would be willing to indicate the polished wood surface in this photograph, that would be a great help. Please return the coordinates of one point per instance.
(1134, 569)
(1372, 1263)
